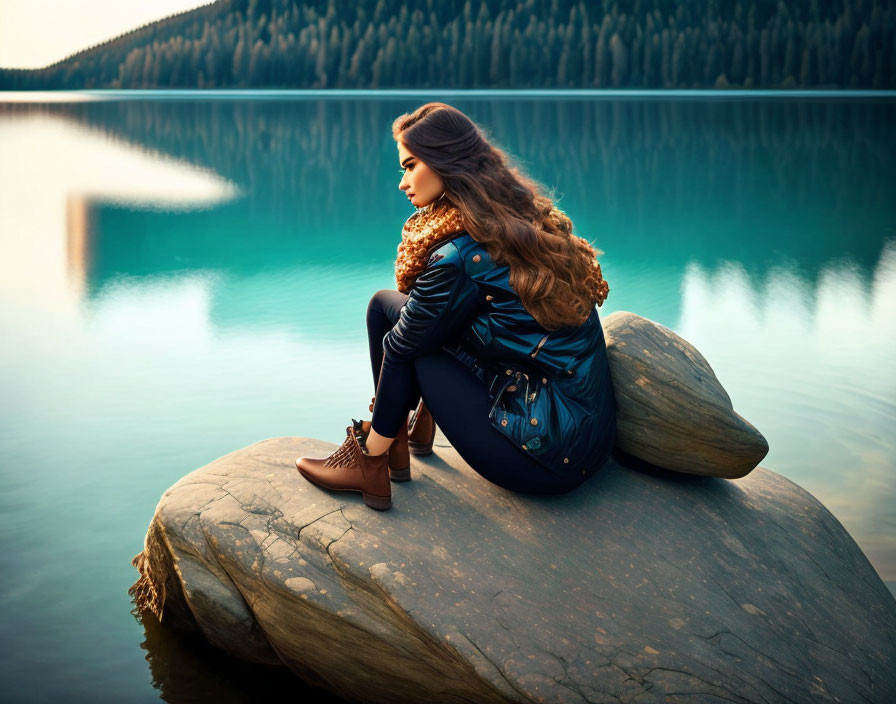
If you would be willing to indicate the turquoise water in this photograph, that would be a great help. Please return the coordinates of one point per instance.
(181, 278)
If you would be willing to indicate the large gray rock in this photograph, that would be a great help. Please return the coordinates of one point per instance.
(671, 409)
(642, 585)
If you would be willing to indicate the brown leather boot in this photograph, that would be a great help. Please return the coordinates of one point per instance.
(400, 456)
(421, 431)
(349, 468)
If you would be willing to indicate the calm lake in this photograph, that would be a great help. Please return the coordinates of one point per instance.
(182, 276)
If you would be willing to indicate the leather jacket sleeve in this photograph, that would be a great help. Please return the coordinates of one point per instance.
(440, 306)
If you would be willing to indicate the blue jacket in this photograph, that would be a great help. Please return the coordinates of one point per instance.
(551, 391)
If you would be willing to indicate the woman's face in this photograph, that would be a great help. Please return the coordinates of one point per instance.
(421, 184)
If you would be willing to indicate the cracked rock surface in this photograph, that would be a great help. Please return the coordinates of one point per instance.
(643, 585)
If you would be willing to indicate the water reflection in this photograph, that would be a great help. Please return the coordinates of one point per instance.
(57, 174)
(679, 180)
(185, 668)
(812, 365)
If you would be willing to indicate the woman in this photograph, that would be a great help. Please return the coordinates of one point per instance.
(493, 324)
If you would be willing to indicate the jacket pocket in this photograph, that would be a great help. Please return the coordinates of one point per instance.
(541, 420)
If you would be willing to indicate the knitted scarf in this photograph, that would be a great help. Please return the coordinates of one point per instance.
(431, 225)
(422, 232)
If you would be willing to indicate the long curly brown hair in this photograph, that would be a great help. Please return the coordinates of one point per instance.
(554, 272)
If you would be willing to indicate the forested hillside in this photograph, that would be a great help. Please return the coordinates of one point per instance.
(494, 44)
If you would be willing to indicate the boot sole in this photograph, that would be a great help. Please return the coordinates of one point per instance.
(380, 503)
(400, 475)
(419, 449)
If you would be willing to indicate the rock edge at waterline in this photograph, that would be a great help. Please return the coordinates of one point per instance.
(641, 585)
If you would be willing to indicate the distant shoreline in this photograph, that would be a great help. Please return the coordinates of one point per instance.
(63, 95)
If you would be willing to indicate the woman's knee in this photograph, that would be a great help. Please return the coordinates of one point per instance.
(375, 305)
(386, 302)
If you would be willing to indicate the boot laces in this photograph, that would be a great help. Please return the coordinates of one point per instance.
(346, 455)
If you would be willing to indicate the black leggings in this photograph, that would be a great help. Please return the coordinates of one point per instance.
(456, 398)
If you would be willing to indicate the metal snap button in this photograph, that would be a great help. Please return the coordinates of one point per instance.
(569, 372)
(566, 460)
(534, 421)
(476, 257)
(489, 297)
(525, 448)
(508, 372)
(503, 421)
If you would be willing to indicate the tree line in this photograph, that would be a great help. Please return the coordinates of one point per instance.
(493, 44)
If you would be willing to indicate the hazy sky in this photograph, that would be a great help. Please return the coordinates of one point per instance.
(34, 33)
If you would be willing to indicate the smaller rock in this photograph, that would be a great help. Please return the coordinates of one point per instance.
(671, 409)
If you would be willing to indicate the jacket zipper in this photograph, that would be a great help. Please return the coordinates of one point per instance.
(498, 396)
(539, 345)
